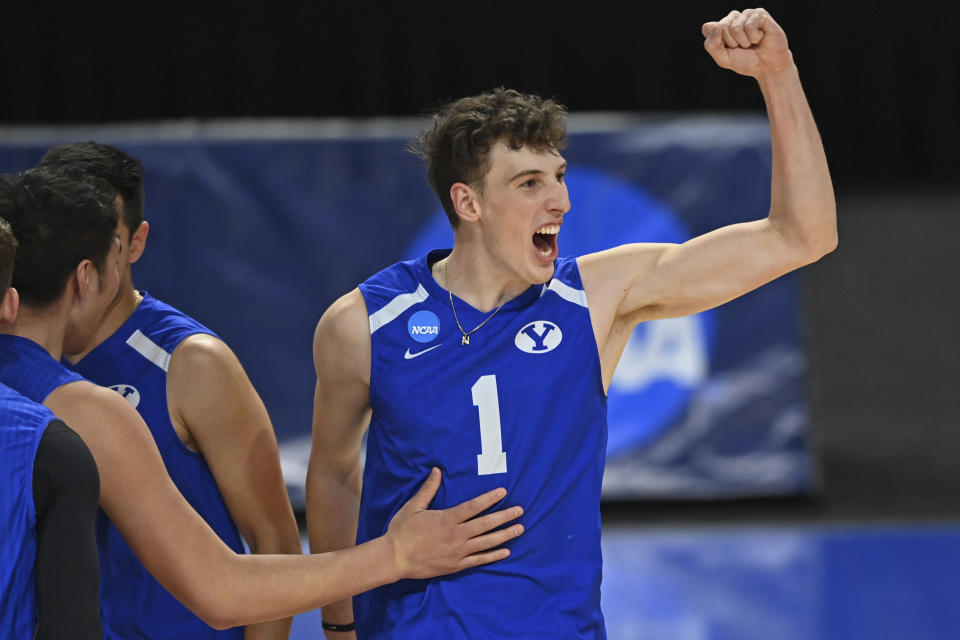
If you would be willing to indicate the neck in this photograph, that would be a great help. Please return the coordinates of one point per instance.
(46, 326)
(122, 308)
(470, 275)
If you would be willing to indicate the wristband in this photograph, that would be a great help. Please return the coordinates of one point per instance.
(330, 626)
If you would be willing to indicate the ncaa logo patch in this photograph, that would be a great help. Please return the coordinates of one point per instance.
(129, 392)
(540, 336)
(424, 326)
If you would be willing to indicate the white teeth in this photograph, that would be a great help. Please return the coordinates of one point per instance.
(545, 252)
(550, 229)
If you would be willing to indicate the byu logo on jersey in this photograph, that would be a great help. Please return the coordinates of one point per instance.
(129, 392)
(539, 336)
(424, 326)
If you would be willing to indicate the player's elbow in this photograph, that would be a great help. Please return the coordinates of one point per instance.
(825, 242)
(218, 601)
(216, 612)
(809, 245)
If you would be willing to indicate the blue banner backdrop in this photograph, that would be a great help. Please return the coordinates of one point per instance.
(256, 227)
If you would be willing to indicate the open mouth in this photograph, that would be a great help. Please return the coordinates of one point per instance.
(545, 241)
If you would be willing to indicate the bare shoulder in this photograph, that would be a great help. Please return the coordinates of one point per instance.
(201, 353)
(343, 332)
(108, 424)
(609, 275)
(596, 268)
(82, 400)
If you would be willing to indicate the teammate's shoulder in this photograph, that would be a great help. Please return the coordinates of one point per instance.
(82, 397)
(346, 311)
(201, 350)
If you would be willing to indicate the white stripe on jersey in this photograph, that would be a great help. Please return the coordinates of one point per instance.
(395, 307)
(565, 291)
(149, 349)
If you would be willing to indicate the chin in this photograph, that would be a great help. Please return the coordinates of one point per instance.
(542, 274)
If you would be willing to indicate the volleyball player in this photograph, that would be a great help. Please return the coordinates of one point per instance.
(48, 502)
(492, 360)
(221, 455)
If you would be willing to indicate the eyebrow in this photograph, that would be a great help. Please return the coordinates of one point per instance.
(530, 172)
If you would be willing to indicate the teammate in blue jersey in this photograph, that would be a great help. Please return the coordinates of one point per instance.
(67, 274)
(222, 456)
(48, 502)
(492, 360)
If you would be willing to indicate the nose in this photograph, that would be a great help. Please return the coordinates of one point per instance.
(559, 201)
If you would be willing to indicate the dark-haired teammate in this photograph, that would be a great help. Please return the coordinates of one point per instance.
(210, 426)
(493, 360)
(48, 501)
(67, 274)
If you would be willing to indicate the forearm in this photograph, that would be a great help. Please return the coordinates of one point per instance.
(333, 503)
(803, 208)
(273, 630)
(284, 538)
(226, 589)
(258, 588)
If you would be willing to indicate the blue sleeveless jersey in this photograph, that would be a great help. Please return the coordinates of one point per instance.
(521, 406)
(22, 423)
(29, 369)
(133, 361)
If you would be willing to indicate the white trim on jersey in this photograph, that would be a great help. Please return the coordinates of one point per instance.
(568, 293)
(149, 349)
(389, 312)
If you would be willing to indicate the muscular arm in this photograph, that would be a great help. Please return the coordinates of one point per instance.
(66, 491)
(341, 412)
(212, 400)
(634, 283)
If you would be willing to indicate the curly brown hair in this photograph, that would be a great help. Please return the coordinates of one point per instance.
(457, 146)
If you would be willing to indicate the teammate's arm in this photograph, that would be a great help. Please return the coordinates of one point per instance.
(341, 412)
(226, 589)
(66, 489)
(633, 283)
(212, 399)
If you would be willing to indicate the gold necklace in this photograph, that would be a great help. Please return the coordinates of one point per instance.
(465, 340)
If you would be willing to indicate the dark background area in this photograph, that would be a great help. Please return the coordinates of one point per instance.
(885, 86)
(881, 313)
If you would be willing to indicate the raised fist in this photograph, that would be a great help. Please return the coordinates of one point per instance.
(749, 42)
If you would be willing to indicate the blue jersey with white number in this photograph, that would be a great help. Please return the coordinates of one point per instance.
(22, 423)
(521, 406)
(133, 361)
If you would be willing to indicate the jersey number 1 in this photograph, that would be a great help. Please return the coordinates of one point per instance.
(492, 458)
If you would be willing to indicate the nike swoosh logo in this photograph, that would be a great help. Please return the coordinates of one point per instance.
(411, 356)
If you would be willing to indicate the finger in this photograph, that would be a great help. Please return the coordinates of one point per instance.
(753, 26)
(714, 42)
(492, 539)
(738, 33)
(478, 559)
(725, 24)
(421, 500)
(466, 510)
(490, 521)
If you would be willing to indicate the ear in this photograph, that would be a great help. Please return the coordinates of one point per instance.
(85, 278)
(138, 241)
(465, 203)
(9, 306)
